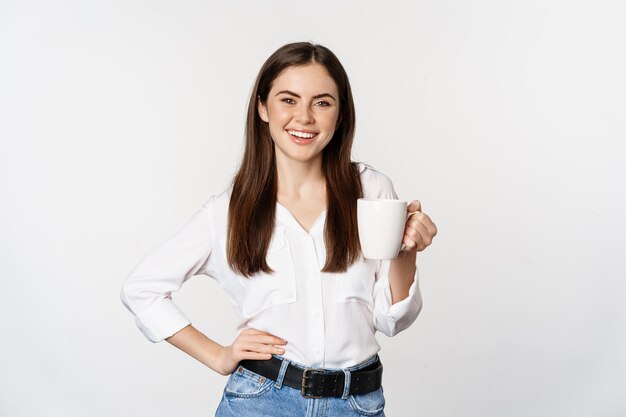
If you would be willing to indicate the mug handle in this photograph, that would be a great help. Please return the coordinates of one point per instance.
(407, 217)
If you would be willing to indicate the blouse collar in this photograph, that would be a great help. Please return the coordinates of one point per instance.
(286, 218)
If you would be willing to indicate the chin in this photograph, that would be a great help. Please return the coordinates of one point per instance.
(303, 158)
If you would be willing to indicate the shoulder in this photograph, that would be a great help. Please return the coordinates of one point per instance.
(375, 184)
(219, 202)
(216, 207)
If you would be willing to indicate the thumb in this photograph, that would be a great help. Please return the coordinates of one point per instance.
(414, 206)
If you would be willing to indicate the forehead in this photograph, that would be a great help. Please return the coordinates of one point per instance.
(305, 79)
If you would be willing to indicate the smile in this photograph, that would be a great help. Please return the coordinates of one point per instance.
(304, 135)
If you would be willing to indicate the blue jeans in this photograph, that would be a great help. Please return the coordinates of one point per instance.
(248, 394)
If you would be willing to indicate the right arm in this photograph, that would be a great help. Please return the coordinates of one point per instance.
(147, 294)
(250, 344)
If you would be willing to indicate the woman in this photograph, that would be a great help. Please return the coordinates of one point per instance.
(282, 241)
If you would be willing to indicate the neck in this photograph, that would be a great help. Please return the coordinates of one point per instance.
(300, 179)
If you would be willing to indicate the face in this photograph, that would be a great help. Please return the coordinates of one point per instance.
(302, 109)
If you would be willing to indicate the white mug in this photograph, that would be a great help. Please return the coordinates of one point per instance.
(381, 223)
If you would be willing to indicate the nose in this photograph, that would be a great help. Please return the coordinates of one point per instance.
(304, 114)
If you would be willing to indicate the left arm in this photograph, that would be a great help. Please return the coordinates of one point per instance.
(418, 235)
(401, 273)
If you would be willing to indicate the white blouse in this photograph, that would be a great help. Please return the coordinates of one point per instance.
(328, 319)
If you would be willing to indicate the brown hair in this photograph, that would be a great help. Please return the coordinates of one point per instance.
(253, 200)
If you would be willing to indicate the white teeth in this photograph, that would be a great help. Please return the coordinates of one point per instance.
(301, 134)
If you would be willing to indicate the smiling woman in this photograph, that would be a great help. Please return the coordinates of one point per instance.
(282, 241)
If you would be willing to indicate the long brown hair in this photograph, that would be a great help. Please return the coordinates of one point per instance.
(253, 199)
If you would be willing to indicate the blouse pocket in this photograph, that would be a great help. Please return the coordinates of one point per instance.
(262, 290)
(356, 285)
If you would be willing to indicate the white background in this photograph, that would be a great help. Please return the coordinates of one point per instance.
(118, 119)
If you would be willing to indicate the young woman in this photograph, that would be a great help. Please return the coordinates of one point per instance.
(282, 241)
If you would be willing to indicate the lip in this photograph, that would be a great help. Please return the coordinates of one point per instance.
(302, 141)
(302, 131)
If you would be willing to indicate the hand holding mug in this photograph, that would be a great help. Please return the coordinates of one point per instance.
(419, 230)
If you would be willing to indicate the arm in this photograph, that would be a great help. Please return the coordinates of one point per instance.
(249, 344)
(395, 306)
(147, 291)
(401, 275)
(147, 294)
(194, 343)
(397, 296)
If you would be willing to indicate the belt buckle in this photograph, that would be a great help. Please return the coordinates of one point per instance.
(303, 386)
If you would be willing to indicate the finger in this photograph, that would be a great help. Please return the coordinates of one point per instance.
(271, 343)
(261, 348)
(413, 232)
(425, 236)
(432, 228)
(420, 220)
(414, 220)
(414, 206)
(256, 356)
(409, 243)
(420, 235)
(412, 239)
(417, 217)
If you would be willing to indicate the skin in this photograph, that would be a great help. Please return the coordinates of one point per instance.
(249, 344)
(301, 188)
(295, 102)
(419, 232)
(284, 110)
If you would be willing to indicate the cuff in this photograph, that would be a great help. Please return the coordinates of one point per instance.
(161, 320)
(404, 307)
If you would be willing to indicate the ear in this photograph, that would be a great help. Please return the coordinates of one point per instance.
(262, 109)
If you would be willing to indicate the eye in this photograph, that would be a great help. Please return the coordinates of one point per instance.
(324, 103)
(285, 100)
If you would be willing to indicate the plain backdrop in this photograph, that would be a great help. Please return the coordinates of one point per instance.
(506, 119)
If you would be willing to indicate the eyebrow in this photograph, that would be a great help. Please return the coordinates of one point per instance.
(295, 95)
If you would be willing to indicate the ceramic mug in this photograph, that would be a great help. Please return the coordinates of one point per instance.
(381, 223)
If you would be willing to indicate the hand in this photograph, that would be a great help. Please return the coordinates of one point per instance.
(419, 230)
(250, 344)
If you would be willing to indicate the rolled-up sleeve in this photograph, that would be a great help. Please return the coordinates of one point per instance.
(391, 319)
(147, 291)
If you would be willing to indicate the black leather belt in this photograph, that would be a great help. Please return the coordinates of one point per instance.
(319, 382)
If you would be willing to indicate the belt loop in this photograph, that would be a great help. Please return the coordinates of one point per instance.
(346, 385)
(281, 373)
